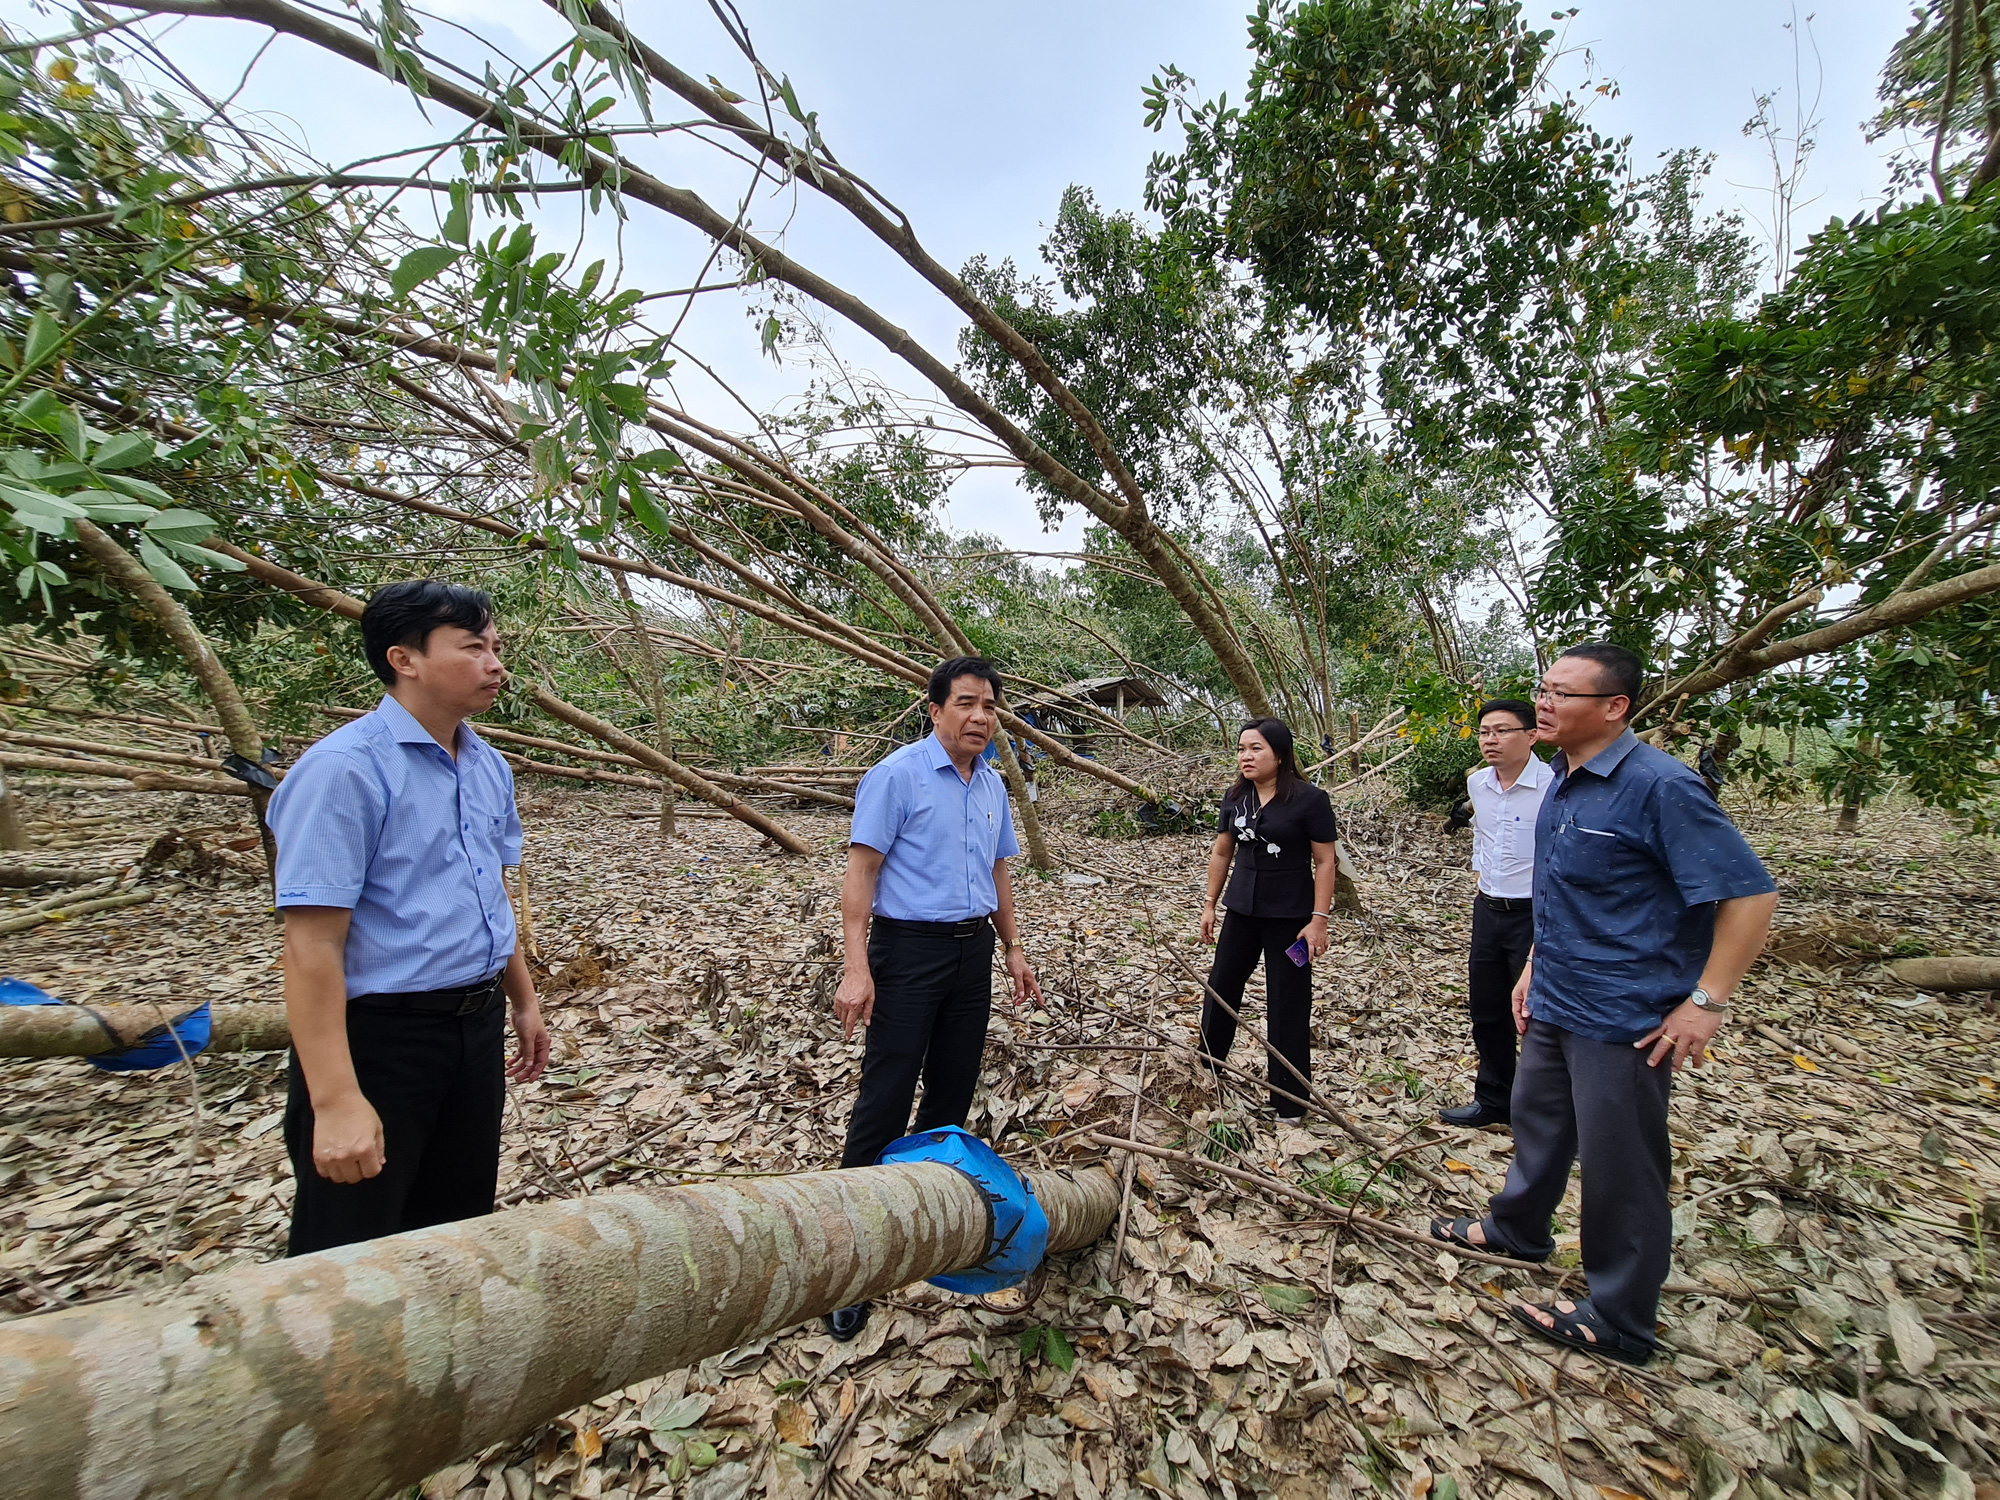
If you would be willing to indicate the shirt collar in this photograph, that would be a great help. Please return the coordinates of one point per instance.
(1535, 773)
(1610, 757)
(940, 758)
(405, 729)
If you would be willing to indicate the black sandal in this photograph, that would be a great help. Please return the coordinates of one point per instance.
(1581, 1328)
(1459, 1232)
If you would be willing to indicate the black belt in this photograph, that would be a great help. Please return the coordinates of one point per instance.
(1508, 903)
(466, 1000)
(971, 927)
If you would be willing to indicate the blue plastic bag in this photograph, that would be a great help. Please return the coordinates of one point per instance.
(156, 1049)
(1019, 1233)
(19, 992)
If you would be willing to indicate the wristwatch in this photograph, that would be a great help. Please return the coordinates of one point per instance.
(1702, 1000)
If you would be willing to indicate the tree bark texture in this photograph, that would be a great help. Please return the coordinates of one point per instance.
(1951, 975)
(86, 1031)
(355, 1372)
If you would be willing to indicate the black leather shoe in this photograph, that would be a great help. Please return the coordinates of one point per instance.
(845, 1322)
(1476, 1115)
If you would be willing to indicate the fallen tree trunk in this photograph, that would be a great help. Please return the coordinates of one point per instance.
(122, 752)
(142, 778)
(86, 1031)
(20, 877)
(355, 1372)
(1950, 975)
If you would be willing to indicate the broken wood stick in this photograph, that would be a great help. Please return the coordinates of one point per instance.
(27, 920)
(87, 1031)
(358, 1371)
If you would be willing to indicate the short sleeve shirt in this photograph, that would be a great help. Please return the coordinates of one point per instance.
(939, 834)
(1632, 852)
(378, 818)
(1273, 875)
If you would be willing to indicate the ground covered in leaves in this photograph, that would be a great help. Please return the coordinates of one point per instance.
(1832, 1326)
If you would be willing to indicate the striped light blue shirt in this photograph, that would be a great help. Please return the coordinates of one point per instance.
(939, 834)
(379, 819)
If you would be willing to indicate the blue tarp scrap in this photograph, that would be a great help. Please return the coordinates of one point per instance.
(1019, 1231)
(156, 1049)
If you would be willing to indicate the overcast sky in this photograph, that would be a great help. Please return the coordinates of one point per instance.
(975, 118)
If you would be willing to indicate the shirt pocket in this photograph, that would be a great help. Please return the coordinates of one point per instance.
(1593, 858)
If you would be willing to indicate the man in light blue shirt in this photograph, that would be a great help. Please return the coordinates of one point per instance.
(399, 935)
(926, 890)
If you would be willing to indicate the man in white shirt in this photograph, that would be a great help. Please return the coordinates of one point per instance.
(1506, 794)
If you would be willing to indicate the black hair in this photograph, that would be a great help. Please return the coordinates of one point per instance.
(1278, 735)
(950, 671)
(1618, 670)
(405, 614)
(1522, 710)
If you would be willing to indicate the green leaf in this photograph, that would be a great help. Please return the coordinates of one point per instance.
(701, 1454)
(1288, 1301)
(39, 411)
(138, 489)
(786, 1387)
(164, 568)
(657, 461)
(102, 505)
(44, 335)
(74, 434)
(1031, 1343)
(648, 512)
(458, 222)
(26, 497)
(127, 450)
(186, 526)
(1057, 1350)
(419, 266)
(203, 556)
(979, 1365)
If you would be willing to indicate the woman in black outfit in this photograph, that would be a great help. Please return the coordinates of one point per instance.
(1281, 830)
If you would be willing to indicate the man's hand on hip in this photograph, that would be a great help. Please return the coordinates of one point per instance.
(854, 1001)
(1025, 985)
(347, 1140)
(1685, 1033)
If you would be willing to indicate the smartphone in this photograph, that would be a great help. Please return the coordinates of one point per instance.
(1300, 953)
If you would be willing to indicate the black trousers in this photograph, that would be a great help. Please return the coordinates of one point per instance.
(1574, 1097)
(1500, 944)
(438, 1081)
(1287, 994)
(933, 994)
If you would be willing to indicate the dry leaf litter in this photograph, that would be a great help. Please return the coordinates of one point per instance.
(1837, 1175)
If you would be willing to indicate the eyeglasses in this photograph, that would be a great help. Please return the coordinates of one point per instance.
(1494, 734)
(1562, 695)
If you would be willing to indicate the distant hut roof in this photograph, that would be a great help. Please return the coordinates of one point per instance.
(1106, 691)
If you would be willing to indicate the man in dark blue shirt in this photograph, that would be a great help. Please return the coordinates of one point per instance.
(1649, 908)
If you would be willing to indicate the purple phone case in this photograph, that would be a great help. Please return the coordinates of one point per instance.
(1299, 953)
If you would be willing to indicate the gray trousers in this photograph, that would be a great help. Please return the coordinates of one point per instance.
(1598, 1101)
